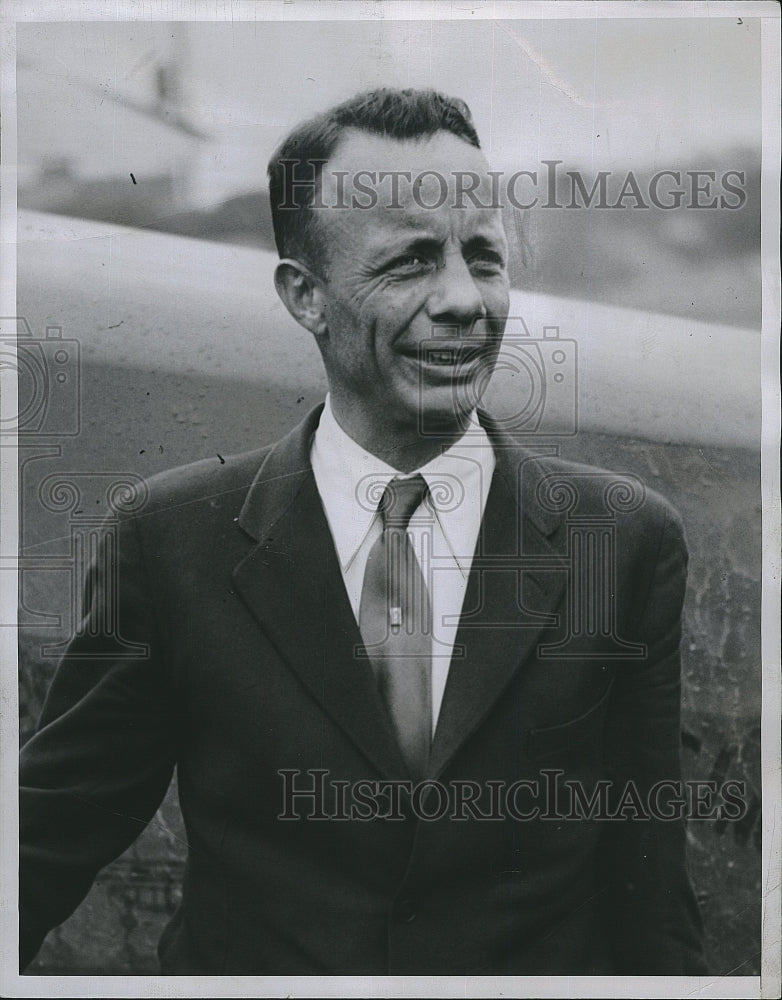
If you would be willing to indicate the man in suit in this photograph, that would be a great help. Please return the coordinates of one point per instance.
(420, 684)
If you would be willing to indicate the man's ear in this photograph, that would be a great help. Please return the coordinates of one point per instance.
(303, 295)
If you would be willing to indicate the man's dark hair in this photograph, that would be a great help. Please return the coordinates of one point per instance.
(396, 114)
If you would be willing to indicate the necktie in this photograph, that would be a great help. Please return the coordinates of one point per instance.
(395, 622)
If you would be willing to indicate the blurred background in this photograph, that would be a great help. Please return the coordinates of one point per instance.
(145, 243)
(193, 112)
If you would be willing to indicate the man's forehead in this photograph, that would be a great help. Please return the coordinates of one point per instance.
(395, 169)
(411, 224)
(387, 152)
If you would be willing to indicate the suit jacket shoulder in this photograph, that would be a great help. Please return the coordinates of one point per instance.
(599, 488)
(205, 479)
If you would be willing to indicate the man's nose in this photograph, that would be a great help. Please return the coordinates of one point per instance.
(456, 298)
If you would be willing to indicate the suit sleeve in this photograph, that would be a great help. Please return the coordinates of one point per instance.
(102, 757)
(652, 913)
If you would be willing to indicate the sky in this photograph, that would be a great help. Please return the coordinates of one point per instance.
(606, 93)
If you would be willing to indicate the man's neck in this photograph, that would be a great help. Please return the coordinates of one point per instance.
(403, 448)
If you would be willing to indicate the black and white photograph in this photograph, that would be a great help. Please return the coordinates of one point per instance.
(390, 546)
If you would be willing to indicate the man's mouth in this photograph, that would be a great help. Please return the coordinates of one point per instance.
(442, 356)
(461, 356)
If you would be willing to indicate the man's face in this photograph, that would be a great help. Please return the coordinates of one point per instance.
(400, 273)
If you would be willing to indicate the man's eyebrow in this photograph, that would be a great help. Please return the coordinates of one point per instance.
(412, 241)
(481, 241)
(405, 244)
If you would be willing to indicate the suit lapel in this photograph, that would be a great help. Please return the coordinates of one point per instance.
(292, 583)
(505, 609)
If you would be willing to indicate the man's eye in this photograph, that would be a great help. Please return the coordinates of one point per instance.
(409, 263)
(486, 260)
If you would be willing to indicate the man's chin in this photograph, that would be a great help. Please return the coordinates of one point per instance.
(445, 414)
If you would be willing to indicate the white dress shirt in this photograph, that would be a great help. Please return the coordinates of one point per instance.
(444, 530)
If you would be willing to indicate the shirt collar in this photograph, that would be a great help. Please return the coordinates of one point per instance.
(459, 481)
(351, 481)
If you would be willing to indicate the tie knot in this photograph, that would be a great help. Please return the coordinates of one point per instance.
(400, 499)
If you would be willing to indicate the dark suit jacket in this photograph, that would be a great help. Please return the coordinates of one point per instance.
(229, 579)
